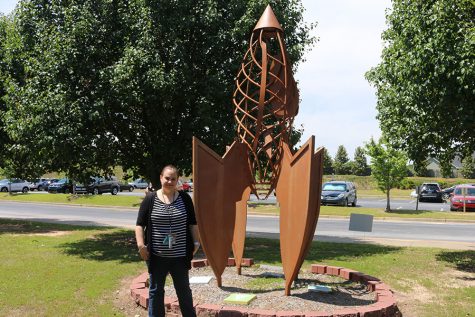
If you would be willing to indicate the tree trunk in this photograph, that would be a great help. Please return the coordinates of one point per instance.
(388, 207)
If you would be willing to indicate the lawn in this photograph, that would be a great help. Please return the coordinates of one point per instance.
(59, 270)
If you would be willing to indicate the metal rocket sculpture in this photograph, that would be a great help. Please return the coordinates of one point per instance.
(266, 101)
(265, 104)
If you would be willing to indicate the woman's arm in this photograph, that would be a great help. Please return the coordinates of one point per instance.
(196, 237)
(139, 237)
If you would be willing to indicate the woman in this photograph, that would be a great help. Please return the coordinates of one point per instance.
(167, 238)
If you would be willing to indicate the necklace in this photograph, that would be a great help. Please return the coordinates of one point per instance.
(170, 239)
(170, 201)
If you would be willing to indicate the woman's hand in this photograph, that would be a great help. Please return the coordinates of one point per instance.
(144, 252)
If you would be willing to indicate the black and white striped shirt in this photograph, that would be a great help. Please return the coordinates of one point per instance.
(169, 219)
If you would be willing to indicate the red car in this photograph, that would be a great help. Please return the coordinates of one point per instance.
(463, 193)
(183, 186)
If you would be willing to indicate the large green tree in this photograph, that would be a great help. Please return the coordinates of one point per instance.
(388, 166)
(130, 82)
(426, 80)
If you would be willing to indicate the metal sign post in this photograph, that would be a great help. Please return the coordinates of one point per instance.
(418, 189)
(464, 193)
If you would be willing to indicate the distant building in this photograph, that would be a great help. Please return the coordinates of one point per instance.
(433, 167)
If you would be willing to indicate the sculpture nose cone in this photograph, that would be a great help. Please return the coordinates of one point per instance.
(268, 20)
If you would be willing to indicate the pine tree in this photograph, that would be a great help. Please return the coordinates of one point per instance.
(360, 165)
(341, 159)
(327, 163)
(468, 167)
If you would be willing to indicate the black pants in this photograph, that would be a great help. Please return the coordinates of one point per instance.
(178, 269)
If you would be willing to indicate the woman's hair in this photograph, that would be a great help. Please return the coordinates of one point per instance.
(171, 167)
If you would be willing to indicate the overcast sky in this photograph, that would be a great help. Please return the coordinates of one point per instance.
(337, 103)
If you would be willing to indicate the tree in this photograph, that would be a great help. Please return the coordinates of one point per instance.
(130, 82)
(4, 140)
(360, 165)
(327, 163)
(446, 167)
(420, 168)
(426, 80)
(388, 166)
(468, 167)
(340, 163)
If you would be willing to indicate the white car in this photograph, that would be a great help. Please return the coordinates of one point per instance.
(16, 185)
(139, 183)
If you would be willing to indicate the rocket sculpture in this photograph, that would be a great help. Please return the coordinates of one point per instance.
(260, 160)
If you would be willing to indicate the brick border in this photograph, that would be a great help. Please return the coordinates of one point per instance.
(385, 305)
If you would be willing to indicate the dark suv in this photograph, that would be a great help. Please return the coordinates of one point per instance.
(430, 191)
(61, 186)
(339, 193)
(100, 185)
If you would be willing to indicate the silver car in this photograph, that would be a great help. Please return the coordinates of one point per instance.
(15, 185)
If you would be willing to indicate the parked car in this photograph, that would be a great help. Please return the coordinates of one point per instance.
(139, 183)
(63, 185)
(446, 192)
(339, 193)
(190, 183)
(49, 182)
(39, 184)
(463, 194)
(15, 185)
(100, 185)
(430, 192)
(182, 186)
(124, 187)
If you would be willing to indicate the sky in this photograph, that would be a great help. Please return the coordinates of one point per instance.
(338, 105)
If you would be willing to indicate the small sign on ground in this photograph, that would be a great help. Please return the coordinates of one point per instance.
(320, 288)
(200, 279)
(239, 298)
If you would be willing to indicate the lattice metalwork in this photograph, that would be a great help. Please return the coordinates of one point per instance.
(265, 100)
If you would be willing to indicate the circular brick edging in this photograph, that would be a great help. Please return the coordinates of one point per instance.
(385, 305)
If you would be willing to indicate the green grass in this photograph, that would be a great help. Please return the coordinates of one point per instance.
(94, 200)
(78, 272)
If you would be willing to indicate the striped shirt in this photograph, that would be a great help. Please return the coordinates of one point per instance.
(169, 220)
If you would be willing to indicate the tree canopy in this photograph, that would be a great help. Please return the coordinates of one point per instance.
(388, 166)
(426, 80)
(129, 82)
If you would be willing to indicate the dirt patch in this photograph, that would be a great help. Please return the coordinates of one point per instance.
(409, 302)
(124, 302)
(459, 279)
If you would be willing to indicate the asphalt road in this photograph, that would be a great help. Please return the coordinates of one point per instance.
(447, 235)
